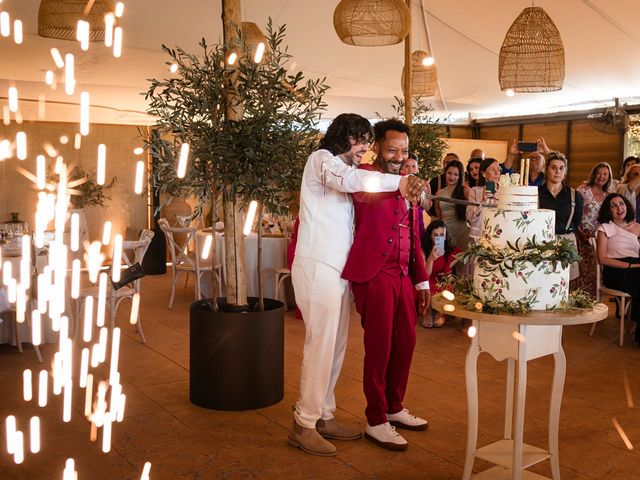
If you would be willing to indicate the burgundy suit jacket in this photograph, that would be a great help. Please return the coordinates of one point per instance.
(378, 216)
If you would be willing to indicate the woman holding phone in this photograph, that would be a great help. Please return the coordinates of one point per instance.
(489, 173)
(439, 254)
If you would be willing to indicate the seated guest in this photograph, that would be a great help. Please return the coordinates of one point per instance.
(489, 172)
(473, 167)
(454, 215)
(436, 183)
(629, 187)
(617, 239)
(438, 263)
(555, 194)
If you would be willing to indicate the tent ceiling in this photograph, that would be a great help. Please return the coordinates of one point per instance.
(601, 47)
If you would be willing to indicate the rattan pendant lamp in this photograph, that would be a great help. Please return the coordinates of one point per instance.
(253, 37)
(372, 23)
(59, 18)
(532, 54)
(424, 78)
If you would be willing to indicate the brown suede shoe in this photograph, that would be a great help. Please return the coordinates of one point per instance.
(310, 441)
(337, 431)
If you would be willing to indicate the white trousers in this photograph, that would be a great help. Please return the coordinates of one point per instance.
(323, 298)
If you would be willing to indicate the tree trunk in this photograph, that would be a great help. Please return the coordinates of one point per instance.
(236, 285)
(259, 264)
(212, 250)
(236, 281)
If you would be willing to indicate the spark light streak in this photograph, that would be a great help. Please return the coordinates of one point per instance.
(68, 266)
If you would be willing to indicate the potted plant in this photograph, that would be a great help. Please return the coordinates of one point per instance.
(248, 125)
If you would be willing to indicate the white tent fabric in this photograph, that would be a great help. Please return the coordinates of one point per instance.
(602, 52)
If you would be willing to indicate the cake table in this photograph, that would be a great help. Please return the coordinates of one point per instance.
(517, 339)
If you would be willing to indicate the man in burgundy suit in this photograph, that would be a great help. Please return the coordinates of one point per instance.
(383, 266)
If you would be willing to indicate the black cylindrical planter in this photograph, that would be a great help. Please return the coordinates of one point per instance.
(236, 360)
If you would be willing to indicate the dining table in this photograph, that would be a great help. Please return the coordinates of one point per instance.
(274, 251)
(13, 256)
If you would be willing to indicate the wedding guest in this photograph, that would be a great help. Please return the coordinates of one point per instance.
(438, 263)
(629, 187)
(489, 172)
(472, 171)
(438, 182)
(593, 192)
(454, 215)
(617, 245)
(555, 194)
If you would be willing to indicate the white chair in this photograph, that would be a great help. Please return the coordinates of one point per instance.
(182, 261)
(133, 251)
(16, 328)
(281, 275)
(623, 299)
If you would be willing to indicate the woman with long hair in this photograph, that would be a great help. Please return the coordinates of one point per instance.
(593, 192)
(489, 172)
(439, 254)
(454, 215)
(617, 240)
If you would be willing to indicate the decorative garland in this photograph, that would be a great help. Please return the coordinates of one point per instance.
(462, 288)
(493, 257)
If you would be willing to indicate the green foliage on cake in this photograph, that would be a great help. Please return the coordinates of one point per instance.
(513, 257)
(462, 287)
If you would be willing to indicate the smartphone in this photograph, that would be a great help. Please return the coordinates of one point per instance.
(491, 186)
(438, 244)
(528, 146)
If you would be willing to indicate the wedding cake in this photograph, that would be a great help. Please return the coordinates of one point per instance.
(517, 256)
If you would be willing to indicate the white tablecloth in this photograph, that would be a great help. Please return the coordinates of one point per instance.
(274, 251)
(6, 327)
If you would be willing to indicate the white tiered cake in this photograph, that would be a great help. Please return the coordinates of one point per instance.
(508, 228)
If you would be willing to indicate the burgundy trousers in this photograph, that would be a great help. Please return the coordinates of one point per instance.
(386, 305)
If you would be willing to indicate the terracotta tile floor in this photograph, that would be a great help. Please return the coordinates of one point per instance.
(187, 442)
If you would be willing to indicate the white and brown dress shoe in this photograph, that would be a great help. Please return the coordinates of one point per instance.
(337, 431)
(310, 441)
(386, 436)
(403, 419)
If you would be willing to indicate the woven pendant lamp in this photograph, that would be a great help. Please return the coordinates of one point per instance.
(424, 78)
(253, 36)
(59, 18)
(532, 54)
(372, 23)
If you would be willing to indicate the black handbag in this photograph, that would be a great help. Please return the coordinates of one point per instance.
(128, 275)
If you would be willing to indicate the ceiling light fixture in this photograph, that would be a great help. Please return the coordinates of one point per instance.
(532, 54)
(59, 18)
(372, 23)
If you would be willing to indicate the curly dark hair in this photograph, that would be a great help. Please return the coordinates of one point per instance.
(458, 191)
(427, 241)
(344, 127)
(604, 215)
(381, 128)
(486, 163)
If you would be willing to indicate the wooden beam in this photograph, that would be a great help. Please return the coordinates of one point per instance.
(408, 74)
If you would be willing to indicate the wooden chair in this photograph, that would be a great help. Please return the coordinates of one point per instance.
(182, 261)
(133, 251)
(622, 299)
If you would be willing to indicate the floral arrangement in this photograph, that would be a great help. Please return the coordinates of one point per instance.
(509, 258)
(462, 288)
